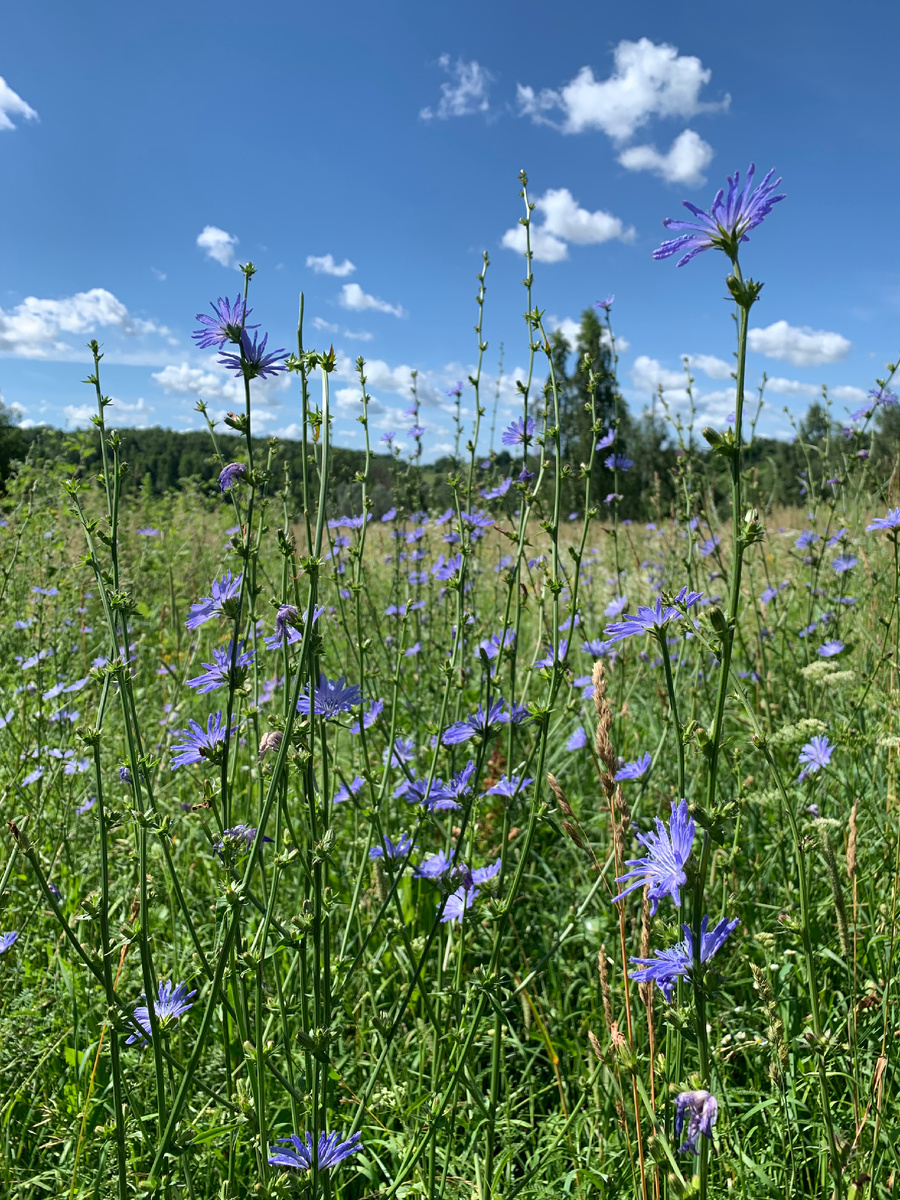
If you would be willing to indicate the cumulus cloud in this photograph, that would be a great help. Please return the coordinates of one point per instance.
(216, 384)
(648, 80)
(353, 297)
(564, 222)
(324, 264)
(34, 328)
(464, 94)
(121, 414)
(792, 387)
(324, 326)
(218, 245)
(570, 327)
(801, 347)
(648, 375)
(12, 105)
(684, 162)
(849, 394)
(715, 368)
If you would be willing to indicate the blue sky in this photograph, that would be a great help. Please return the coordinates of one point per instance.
(144, 150)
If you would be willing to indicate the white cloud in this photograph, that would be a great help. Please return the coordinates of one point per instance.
(160, 275)
(647, 374)
(32, 329)
(684, 162)
(324, 326)
(353, 297)
(12, 105)
(465, 94)
(324, 264)
(852, 395)
(185, 380)
(648, 80)
(715, 368)
(216, 384)
(565, 221)
(792, 387)
(119, 414)
(361, 335)
(218, 244)
(570, 327)
(801, 347)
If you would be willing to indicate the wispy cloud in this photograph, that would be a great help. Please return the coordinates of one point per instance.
(464, 94)
(12, 105)
(325, 264)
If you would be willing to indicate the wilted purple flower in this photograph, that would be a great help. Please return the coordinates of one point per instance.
(663, 867)
(330, 698)
(253, 362)
(726, 224)
(171, 1004)
(197, 746)
(677, 961)
(509, 787)
(224, 602)
(237, 840)
(288, 622)
(816, 753)
(830, 649)
(231, 475)
(577, 741)
(369, 717)
(607, 440)
(634, 770)
(124, 775)
(891, 521)
(7, 940)
(458, 903)
(519, 433)
(293, 1152)
(703, 1111)
(226, 326)
(618, 462)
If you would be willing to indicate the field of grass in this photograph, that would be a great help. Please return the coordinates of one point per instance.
(348, 799)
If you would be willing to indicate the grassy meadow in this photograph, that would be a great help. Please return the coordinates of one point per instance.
(346, 794)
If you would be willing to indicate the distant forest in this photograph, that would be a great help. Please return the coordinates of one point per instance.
(779, 472)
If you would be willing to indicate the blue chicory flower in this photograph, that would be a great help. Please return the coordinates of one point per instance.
(299, 1155)
(223, 602)
(728, 221)
(633, 770)
(330, 698)
(677, 961)
(663, 866)
(172, 1003)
